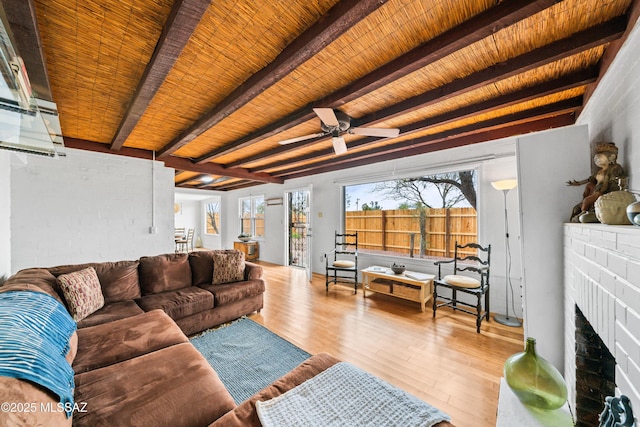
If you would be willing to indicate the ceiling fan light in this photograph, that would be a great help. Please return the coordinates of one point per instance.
(339, 146)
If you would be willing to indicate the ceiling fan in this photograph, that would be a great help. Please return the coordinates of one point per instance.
(334, 123)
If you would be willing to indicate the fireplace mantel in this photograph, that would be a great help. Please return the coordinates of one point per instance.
(602, 278)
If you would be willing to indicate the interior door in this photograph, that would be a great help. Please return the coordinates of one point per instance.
(299, 230)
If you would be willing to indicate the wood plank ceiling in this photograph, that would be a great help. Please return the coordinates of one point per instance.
(211, 87)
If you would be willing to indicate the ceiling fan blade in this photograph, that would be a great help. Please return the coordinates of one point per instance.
(383, 132)
(327, 115)
(300, 138)
(339, 146)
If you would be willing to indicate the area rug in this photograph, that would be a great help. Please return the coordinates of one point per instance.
(247, 356)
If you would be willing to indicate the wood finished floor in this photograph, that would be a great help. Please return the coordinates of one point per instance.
(442, 361)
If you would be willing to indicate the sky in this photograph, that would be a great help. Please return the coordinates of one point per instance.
(363, 193)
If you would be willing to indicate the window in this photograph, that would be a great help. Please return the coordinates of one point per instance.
(252, 216)
(414, 217)
(212, 216)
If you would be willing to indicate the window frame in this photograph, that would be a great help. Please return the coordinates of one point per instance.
(205, 214)
(414, 173)
(254, 203)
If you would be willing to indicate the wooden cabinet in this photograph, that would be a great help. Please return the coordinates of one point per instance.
(251, 250)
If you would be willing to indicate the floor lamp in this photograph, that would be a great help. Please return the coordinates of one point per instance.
(504, 186)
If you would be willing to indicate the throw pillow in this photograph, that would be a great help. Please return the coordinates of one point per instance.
(81, 290)
(228, 267)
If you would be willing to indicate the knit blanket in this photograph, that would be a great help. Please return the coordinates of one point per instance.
(34, 339)
(344, 395)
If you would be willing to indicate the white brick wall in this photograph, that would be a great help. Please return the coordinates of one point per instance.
(602, 276)
(88, 207)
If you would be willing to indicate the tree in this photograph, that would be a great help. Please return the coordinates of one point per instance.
(213, 210)
(371, 206)
(453, 189)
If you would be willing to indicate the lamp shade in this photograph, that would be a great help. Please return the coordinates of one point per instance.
(505, 184)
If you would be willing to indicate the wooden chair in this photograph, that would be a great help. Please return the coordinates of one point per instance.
(182, 245)
(478, 285)
(341, 264)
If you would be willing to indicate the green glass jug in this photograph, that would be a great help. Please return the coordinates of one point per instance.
(534, 380)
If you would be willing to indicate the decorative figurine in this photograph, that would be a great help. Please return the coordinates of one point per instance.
(604, 181)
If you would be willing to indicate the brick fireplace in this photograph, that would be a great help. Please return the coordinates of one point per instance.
(602, 316)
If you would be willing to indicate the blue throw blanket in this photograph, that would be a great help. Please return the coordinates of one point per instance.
(34, 339)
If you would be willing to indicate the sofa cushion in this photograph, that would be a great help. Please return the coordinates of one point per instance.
(111, 312)
(118, 280)
(82, 291)
(228, 266)
(40, 406)
(174, 386)
(39, 277)
(201, 263)
(164, 273)
(178, 304)
(231, 292)
(114, 342)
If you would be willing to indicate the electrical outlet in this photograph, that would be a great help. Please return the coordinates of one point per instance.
(153, 230)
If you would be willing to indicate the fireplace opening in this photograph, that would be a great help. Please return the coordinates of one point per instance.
(595, 373)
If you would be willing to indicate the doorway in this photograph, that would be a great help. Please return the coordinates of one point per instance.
(299, 229)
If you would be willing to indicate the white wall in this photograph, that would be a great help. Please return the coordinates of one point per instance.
(192, 202)
(88, 207)
(613, 112)
(5, 214)
(495, 160)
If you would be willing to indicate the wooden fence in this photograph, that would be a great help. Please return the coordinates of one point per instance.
(398, 230)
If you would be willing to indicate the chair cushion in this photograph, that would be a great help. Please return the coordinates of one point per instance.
(228, 267)
(82, 292)
(343, 263)
(462, 281)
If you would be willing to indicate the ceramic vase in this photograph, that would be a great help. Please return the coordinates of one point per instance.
(633, 213)
(611, 208)
(534, 380)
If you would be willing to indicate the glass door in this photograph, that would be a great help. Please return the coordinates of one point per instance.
(299, 230)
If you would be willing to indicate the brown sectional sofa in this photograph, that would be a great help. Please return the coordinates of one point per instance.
(132, 362)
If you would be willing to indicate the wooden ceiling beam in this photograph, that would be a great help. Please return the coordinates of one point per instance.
(478, 27)
(534, 114)
(473, 138)
(174, 162)
(544, 55)
(576, 43)
(579, 78)
(183, 19)
(633, 14)
(327, 29)
(191, 178)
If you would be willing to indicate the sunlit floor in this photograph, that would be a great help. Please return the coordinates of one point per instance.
(442, 361)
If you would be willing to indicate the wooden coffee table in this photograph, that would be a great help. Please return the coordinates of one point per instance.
(410, 285)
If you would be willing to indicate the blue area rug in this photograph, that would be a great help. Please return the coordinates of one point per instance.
(247, 356)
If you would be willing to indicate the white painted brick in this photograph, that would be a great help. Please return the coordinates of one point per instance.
(607, 281)
(629, 294)
(617, 264)
(622, 358)
(630, 344)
